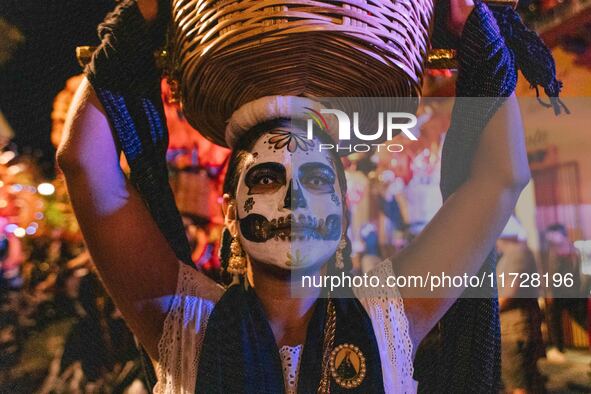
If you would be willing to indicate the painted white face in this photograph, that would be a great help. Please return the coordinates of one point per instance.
(289, 201)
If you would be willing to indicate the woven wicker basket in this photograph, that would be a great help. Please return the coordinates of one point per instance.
(226, 53)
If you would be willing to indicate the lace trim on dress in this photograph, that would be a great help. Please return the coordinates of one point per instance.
(385, 308)
(290, 361)
(182, 336)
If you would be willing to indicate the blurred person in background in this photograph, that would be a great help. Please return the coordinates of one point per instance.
(521, 317)
(370, 257)
(11, 258)
(560, 257)
(395, 208)
(99, 354)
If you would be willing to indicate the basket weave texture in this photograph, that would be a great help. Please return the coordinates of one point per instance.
(227, 53)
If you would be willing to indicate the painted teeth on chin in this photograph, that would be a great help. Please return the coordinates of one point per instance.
(304, 237)
(307, 221)
(257, 228)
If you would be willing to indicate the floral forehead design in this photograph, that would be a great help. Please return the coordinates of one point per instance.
(292, 140)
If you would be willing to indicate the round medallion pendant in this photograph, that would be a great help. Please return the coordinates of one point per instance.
(347, 366)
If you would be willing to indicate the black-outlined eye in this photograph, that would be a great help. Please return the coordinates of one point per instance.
(265, 178)
(317, 181)
(317, 177)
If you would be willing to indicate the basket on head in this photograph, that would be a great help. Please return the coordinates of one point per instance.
(226, 53)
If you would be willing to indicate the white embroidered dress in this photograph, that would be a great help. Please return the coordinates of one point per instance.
(184, 329)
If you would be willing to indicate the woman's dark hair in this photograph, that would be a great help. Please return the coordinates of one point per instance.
(236, 164)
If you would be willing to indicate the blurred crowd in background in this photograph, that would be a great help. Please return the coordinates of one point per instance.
(59, 330)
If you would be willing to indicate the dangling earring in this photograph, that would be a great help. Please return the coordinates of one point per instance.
(175, 91)
(339, 261)
(237, 262)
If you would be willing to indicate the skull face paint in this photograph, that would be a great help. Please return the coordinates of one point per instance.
(287, 213)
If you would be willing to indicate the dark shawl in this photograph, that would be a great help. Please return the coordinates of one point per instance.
(239, 353)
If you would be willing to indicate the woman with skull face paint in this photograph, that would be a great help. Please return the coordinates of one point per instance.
(284, 211)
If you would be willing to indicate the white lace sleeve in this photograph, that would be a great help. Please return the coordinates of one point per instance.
(385, 308)
(182, 334)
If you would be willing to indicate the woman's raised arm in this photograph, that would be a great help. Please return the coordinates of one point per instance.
(484, 170)
(463, 232)
(135, 260)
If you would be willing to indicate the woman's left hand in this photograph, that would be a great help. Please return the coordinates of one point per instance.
(459, 11)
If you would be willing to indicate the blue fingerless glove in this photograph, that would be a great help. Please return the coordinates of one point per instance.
(125, 77)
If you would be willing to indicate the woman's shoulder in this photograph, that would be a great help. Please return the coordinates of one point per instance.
(192, 303)
(378, 285)
(193, 283)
